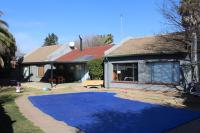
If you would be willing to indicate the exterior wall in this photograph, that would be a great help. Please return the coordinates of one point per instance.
(82, 73)
(144, 71)
(108, 69)
(31, 72)
(85, 73)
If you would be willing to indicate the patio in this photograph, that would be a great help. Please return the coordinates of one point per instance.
(40, 85)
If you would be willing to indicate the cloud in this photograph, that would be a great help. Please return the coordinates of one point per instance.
(26, 42)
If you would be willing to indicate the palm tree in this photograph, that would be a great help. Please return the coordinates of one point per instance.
(7, 43)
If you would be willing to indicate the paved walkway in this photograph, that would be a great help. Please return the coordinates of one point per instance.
(40, 85)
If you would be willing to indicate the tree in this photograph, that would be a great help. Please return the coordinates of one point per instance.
(109, 39)
(51, 39)
(7, 44)
(190, 14)
(95, 40)
(190, 18)
(184, 18)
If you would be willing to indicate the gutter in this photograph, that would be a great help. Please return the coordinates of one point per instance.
(35, 63)
(52, 62)
(129, 55)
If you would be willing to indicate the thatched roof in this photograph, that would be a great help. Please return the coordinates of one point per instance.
(146, 46)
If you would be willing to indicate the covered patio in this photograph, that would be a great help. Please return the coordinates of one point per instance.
(68, 72)
(56, 72)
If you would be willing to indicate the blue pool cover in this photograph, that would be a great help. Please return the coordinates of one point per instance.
(101, 112)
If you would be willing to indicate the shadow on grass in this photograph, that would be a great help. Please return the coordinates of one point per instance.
(7, 82)
(5, 120)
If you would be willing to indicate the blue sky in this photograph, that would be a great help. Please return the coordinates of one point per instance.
(31, 20)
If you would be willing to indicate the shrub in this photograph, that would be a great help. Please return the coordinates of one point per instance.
(95, 68)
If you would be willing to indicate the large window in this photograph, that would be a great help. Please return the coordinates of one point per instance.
(125, 72)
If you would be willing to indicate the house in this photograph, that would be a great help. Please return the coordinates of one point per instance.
(73, 65)
(143, 62)
(38, 64)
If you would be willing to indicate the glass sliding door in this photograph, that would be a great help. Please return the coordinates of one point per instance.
(125, 72)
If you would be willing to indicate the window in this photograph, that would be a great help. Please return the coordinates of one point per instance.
(40, 71)
(125, 72)
(165, 72)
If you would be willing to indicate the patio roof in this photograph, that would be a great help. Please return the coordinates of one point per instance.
(46, 54)
(85, 55)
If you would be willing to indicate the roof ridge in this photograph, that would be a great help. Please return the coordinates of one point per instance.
(111, 49)
(141, 37)
(55, 45)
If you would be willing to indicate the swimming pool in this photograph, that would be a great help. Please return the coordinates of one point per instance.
(101, 112)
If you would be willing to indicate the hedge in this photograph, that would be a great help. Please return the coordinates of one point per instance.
(95, 69)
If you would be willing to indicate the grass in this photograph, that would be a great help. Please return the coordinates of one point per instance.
(11, 120)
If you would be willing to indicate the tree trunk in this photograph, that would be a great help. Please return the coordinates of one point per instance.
(195, 72)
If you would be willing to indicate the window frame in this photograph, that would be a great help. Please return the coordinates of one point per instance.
(134, 66)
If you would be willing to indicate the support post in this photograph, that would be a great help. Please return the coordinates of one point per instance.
(29, 73)
(51, 75)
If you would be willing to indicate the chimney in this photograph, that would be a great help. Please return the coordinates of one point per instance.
(81, 43)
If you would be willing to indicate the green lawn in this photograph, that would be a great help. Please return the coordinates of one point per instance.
(11, 120)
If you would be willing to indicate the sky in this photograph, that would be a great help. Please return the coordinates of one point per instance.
(31, 21)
